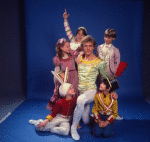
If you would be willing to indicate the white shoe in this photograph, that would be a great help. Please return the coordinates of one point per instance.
(35, 122)
(92, 115)
(74, 134)
(119, 117)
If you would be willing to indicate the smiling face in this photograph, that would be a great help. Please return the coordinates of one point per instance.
(71, 91)
(88, 48)
(66, 48)
(80, 35)
(108, 39)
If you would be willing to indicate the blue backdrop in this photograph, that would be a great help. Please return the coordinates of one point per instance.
(44, 26)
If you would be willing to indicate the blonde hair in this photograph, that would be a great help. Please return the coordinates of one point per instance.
(88, 38)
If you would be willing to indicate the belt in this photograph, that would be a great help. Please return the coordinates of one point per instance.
(65, 116)
(104, 113)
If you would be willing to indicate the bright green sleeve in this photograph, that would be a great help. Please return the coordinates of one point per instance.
(102, 68)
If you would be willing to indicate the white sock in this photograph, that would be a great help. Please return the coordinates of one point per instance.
(35, 122)
(74, 134)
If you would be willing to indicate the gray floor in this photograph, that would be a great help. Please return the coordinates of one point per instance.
(9, 103)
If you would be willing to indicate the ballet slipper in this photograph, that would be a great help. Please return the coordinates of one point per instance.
(74, 134)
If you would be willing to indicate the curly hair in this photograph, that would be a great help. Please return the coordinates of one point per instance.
(61, 42)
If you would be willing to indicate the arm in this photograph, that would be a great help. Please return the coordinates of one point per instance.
(79, 58)
(95, 109)
(115, 60)
(56, 62)
(55, 111)
(102, 68)
(114, 113)
(67, 27)
(99, 52)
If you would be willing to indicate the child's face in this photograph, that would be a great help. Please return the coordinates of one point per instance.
(66, 48)
(71, 91)
(108, 39)
(79, 35)
(102, 87)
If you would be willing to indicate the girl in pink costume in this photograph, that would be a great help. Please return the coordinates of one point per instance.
(62, 60)
(75, 43)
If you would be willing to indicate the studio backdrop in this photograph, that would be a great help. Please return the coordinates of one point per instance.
(44, 26)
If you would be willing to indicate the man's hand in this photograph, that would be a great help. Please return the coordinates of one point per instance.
(114, 95)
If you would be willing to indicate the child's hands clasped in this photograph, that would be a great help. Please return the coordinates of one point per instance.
(102, 123)
(42, 124)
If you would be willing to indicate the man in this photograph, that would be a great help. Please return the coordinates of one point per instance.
(88, 69)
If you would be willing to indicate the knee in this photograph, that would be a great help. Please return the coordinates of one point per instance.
(97, 131)
(65, 131)
(107, 134)
(80, 101)
(86, 119)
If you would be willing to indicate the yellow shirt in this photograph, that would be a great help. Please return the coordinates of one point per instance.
(103, 104)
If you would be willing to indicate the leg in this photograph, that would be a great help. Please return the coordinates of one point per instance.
(35, 122)
(83, 99)
(63, 129)
(97, 131)
(49, 125)
(107, 131)
(85, 115)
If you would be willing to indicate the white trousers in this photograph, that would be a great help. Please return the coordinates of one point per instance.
(82, 108)
(59, 125)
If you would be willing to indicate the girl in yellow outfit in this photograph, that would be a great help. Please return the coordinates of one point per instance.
(105, 111)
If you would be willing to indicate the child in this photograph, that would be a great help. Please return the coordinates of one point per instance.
(75, 41)
(105, 111)
(111, 55)
(58, 121)
(62, 60)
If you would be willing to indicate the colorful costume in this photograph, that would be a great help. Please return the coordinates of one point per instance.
(59, 118)
(73, 44)
(87, 73)
(104, 108)
(111, 56)
(72, 78)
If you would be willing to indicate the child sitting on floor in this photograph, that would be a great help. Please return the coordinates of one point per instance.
(58, 121)
(105, 110)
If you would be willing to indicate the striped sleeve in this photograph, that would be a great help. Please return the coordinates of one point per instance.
(114, 114)
(68, 31)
